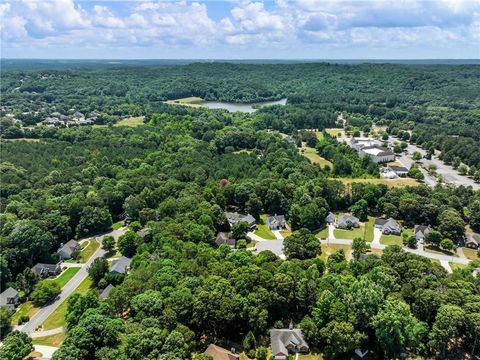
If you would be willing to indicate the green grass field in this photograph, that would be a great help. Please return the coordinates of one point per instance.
(349, 234)
(456, 266)
(27, 308)
(263, 231)
(57, 318)
(117, 225)
(368, 228)
(391, 240)
(131, 121)
(328, 250)
(388, 182)
(65, 276)
(53, 340)
(322, 233)
(311, 154)
(192, 101)
(88, 250)
(470, 253)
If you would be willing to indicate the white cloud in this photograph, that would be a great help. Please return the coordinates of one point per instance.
(280, 25)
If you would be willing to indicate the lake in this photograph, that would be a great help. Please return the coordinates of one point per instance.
(247, 108)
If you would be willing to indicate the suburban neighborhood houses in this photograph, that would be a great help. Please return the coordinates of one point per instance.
(287, 341)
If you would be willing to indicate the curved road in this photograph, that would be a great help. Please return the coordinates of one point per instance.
(42, 315)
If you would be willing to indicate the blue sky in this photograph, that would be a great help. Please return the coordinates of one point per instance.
(281, 29)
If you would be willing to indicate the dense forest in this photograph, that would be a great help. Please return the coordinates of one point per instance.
(440, 103)
(176, 175)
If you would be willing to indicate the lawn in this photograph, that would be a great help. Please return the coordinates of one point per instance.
(319, 135)
(263, 231)
(311, 154)
(388, 182)
(368, 230)
(310, 357)
(27, 308)
(65, 276)
(328, 250)
(350, 234)
(251, 244)
(57, 318)
(391, 240)
(88, 249)
(117, 225)
(53, 340)
(470, 253)
(456, 266)
(131, 121)
(322, 233)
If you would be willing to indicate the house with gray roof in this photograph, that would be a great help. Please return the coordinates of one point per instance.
(234, 218)
(330, 218)
(45, 270)
(473, 241)
(224, 238)
(69, 250)
(388, 226)
(420, 231)
(348, 222)
(284, 341)
(9, 298)
(276, 222)
(120, 265)
(105, 292)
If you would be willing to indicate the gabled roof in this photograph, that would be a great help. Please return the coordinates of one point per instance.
(348, 218)
(224, 238)
(330, 217)
(219, 353)
(398, 168)
(40, 268)
(105, 292)
(70, 247)
(475, 238)
(8, 294)
(390, 224)
(233, 218)
(284, 339)
(120, 265)
(421, 229)
(278, 220)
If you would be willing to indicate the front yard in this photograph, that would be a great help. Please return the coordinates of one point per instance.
(349, 234)
(88, 248)
(27, 308)
(53, 340)
(328, 250)
(395, 239)
(65, 277)
(57, 318)
(263, 231)
(470, 253)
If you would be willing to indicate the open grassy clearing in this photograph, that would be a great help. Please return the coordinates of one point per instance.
(263, 231)
(192, 101)
(53, 340)
(328, 250)
(319, 135)
(27, 308)
(388, 182)
(334, 132)
(311, 154)
(57, 318)
(470, 253)
(131, 121)
(31, 140)
(65, 277)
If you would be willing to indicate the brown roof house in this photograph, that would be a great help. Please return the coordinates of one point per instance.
(224, 238)
(284, 341)
(219, 353)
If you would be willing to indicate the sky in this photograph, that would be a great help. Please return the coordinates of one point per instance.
(281, 29)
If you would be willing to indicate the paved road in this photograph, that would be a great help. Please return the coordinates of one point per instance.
(39, 318)
(449, 174)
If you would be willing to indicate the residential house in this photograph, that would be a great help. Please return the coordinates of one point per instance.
(45, 270)
(388, 226)
(399, 170)
(473, 241)
(348, 222)
(86, 122)
(276, 222)
(69, 250)
(9, 298)
(420, 231)
(284, 341)
(224, 238)
(105, 292)
(234, 218)
(219, 353)
(330, 219)
(120, 265)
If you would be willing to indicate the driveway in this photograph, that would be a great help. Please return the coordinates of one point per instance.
(40, 317)
(46, 351)
(275, 246)
(377, 234)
